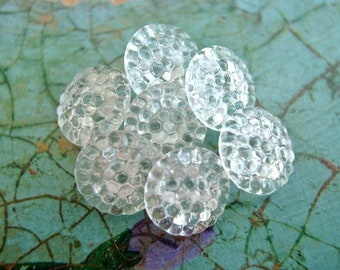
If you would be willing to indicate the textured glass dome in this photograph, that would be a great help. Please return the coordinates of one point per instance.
(111, 171)
(217, 84)
(256, 151)
(157, 53)
(186, 191)
(94, 102)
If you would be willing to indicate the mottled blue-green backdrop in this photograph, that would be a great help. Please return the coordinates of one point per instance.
(292, 49)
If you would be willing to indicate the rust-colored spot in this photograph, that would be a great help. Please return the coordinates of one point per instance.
(69, 3)
(66, 146)
(263, 206)
(117, 34)
(277, 266)
(257, 219)
(45, 19)
(76, 244)
(42, 147)
(31, 171)
(119, 2)
(91, 245)
(255, 222)
(329, 164)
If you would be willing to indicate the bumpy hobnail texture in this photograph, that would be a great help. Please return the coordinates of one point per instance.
(111, 171)
(186, 191)
(162, 114)
(157, 53)
(95, 101)
(217, 84)
(256, 151)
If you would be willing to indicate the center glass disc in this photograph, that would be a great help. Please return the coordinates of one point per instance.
(162, 114)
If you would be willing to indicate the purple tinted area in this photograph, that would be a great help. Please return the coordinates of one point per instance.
(161, 250)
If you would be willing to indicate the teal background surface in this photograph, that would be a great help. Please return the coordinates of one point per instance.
(292, 50)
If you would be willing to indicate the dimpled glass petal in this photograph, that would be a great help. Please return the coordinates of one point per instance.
(256, 151)
(157, 53)
(94, 102)
(217, 84)
(111, 171)
(186, 191)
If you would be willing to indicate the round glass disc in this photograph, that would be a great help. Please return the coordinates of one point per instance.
(162, 114)
(157, 53)
(217, 84)
(186, 191)
(111, 171)
(256, 151)
(94, 102)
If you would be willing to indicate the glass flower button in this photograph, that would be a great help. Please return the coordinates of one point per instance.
(111, 171)
(162, 114)
(217, 84)
(256, 151)
(157, 53)
(95, 101)
(186, 191)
